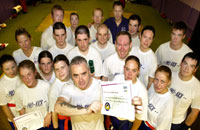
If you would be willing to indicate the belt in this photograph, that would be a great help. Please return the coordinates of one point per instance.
(66, 118)
(11, 105)
(147, 124)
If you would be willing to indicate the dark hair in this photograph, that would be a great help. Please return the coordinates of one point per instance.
(124, 33)
(165, 69)
(118, 3)
(180, 26)
(61, 57)
(56, 7)
(97, 9)
(135, 17)
(5, 58)
(82, 29)
(193, 56)
(78, 60)
(74, 14)
(45, 54)
(27, 64)
(149, 27)
(134, 58)
(21, 31)
(59, 25)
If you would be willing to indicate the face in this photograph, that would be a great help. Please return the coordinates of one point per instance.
(133, 27)
(45, 65)
(74, 21)
(10, 69)
(24, 42)
(123, 46)
(57, 16)
(146, 39)
(131, 70)
(97, 17)
(102, 35)
(28, 77)
(60, 36)
(188, 67)
(161, 82)
(82, 41)
(177, 37)
(61, 70)
(118, 11)
(80, 75)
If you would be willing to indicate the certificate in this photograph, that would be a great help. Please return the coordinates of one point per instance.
(117, 100)
(30, 121)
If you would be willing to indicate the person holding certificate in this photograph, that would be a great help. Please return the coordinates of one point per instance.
(159, 114)
(32, 95)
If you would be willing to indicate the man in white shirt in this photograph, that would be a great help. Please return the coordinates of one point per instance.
(102, 44)
(74, 21)
(185, 89)
(134, 23)
(172, 52)
(47, 40)
(60, 35)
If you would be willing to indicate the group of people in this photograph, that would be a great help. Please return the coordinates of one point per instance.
(62, 78)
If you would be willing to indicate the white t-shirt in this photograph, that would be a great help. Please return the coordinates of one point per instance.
(33, 99)
(135, 41)
(53, 77)
(171, 58)
(137, 89)
(8, 87)
(112, 66)
(185, 93)
(56, 51)
(84, 98)
(54, 93)
(93, 54)
(160, 109)
(47, 40)
(105, 52)
(20, 56)
(72, 41)
(148, 64)
(93, 32)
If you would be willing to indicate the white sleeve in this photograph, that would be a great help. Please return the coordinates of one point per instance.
(98, 65)
(105, 68)
(196, 101)
(18, 100)
(110, 39)
(158, 55)
(43, 42)
(3, 99)
(65, 93)
(153, 67)
(52, 98)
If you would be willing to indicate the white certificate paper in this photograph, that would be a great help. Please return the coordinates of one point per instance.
(117, 100)
(30, 121)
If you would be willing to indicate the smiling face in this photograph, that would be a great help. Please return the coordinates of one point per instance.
(102, 35)
(146, 39)
(131, 70)
(10, 69)
(24, 42)
(61, 70)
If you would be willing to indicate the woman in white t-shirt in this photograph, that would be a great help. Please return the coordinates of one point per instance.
(160, 106)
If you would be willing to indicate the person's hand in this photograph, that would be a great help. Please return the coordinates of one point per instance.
(94, 107)
(137, 102)
(47, 120)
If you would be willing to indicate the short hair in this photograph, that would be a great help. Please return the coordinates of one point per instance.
(165, 69)
(82, 29)
(5, 58)
(149, 27)
(180, 26)
(134, 58)
(27, 64)
(61, 57)
(124, 33)
(78, 60)
(59, 25)
(45, 54)
(193, 56)
(73, 13)
(57, 7)
(118, 3)
(135, 17)
(97, 9)
(103, 26)
(21, 31)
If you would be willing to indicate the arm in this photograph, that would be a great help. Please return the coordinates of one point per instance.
(150, 82)
(55, 120)
(192, 117)
(7, 112)
(136, 124)
(47, 120)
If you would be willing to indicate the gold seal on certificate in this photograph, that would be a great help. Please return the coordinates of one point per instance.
(117, 100)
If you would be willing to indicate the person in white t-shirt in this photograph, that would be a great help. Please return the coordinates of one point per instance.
(114, 64)
(47, 40)
(134, 23)
(161, 104)
(172, 52)
(138, 90)
(32, 95)
(9, 82)
(185, 89)
(83, 49)
(26, 51)
(81, 99)
(45, 66)
(61, 69)
(74, 21)
(148, 61)
(61, 46)
(102, 44)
